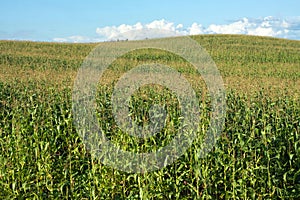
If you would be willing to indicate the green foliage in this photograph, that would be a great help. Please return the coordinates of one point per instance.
(256, 157)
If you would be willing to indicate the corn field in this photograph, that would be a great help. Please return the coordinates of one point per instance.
(257, 156)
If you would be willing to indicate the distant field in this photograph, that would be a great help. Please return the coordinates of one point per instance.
(257, 156)
(246, 63)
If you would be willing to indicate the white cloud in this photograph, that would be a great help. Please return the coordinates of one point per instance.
(179, 26)
(110, 32)
(125, 31)
(285, 24)
(263, 31)
(267, 26)
(238, 27)
(161, 24)
(195, 29)
(76, 39)
(60, 39)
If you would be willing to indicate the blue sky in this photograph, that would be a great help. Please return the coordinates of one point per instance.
(95, 20)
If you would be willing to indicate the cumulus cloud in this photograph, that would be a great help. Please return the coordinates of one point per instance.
(110, 32)
(267, 26)
(195, 29)
(237, 27)
(163, 29)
